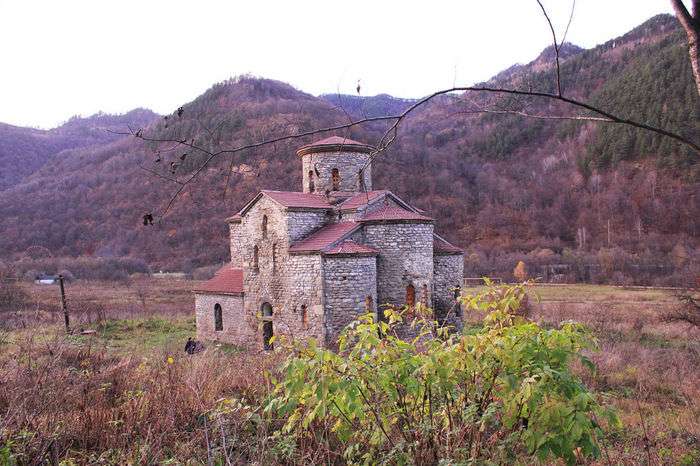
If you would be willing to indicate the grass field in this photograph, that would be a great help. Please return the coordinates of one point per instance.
(128, 393)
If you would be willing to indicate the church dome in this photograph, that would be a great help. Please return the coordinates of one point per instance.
(335, 144)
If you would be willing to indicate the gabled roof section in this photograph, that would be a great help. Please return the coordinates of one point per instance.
(227, 280)
(442, 247)
(290, 199)
(324, 238)
(370, 197)
(350, 248)
(361, 199)
(392, 214)
(335, 144)
(300, 200)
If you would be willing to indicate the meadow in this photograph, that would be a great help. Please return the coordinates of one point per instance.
(127, 392)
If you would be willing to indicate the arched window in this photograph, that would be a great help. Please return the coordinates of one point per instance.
(335, 179)
(255, 257)
(369, 305)
(263, 227)
(268, 332)
(304, 316)
(266, 310)
(218, 318)
(312, 185)
(424, 295)
(410, 296)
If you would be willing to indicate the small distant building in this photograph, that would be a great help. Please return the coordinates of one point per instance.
(170, 275)
(45, 279)
(305, 264)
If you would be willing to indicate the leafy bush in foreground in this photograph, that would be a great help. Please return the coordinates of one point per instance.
(492, 394)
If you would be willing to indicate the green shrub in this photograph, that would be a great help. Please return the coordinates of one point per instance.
(499, 393)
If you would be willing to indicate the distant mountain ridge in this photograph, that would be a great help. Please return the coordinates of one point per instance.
(502, 184)
(25, 150)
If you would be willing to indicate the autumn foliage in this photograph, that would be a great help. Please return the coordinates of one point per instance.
(504, 187)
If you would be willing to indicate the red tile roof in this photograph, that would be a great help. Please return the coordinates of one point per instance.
(351, 247)
(324, 237)
(390, 213)
(334, 144)
(336, 140)
(299, 200)
(226, 281)
(441, 246)
(361, 199)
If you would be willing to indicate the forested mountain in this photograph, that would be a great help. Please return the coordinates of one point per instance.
(25, 150)
(503, 186)
(368, 107)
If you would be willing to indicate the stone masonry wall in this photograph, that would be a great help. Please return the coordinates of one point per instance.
(348, 165)
(300, 313)
(235, 244)
(239, 329)
(448, 271)
(266, 282)
(286, 282)
(348, 282)
(302, 223)
(406, 257)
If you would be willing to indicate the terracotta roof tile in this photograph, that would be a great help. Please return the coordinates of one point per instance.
(440, 246)
(351, 247)
(227, 280)
(361, 199)
(390, 213)
(324, 237)
(335, 140)
(299, 200)
(335, 143)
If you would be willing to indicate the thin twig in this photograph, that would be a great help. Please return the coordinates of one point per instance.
(571, 17)
(555, 43)
(391, 133)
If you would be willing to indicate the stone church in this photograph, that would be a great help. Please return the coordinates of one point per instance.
(305, 264)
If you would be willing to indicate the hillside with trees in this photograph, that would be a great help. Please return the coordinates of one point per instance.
(25, 150)
(607, 203)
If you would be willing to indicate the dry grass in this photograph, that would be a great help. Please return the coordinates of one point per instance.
(647, 367)
(114, 398)
(94, 301)
(67, 400)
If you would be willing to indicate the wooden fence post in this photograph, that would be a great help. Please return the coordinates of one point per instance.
(63, 304)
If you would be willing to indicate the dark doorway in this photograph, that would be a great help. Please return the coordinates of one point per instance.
(267, 335)
(268, 332)
(218, 317)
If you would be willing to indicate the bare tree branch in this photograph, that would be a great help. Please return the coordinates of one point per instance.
(160, 175)
(390, 135)
(691, 25)
(568, 25)
(611, 118)
(688, 311)
(531, 115)
(555, 44)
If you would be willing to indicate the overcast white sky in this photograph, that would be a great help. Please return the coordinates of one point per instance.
(62, 58)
